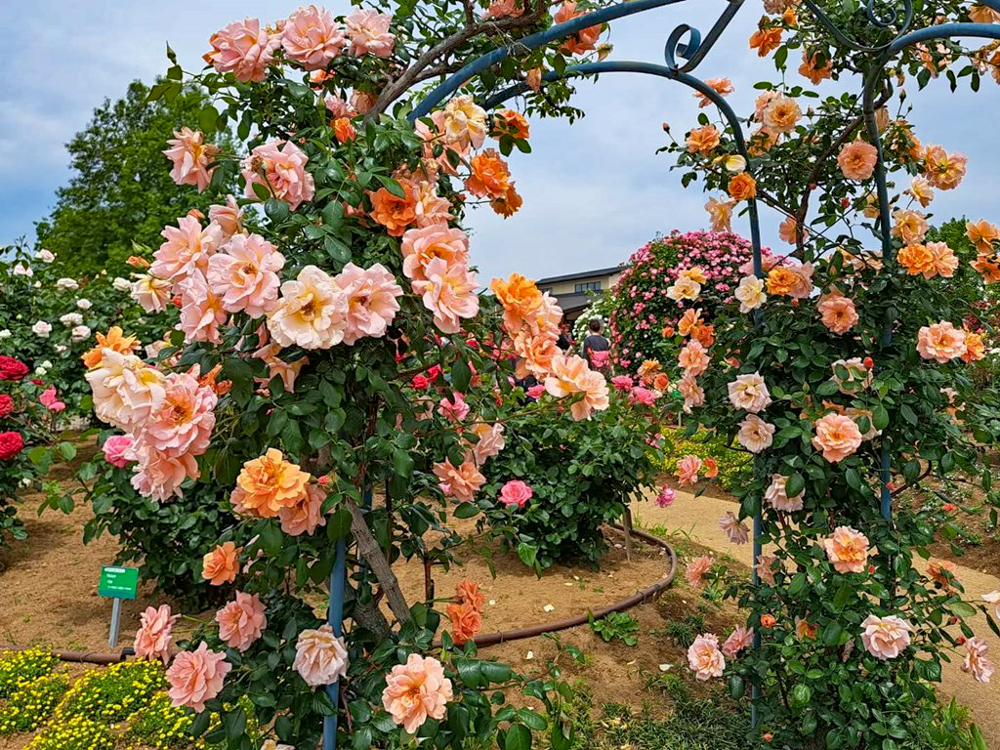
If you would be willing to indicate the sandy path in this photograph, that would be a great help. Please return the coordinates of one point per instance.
(698, 517)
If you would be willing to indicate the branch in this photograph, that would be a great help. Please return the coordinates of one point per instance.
(371, 553)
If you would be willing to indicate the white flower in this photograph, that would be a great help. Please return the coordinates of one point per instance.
(684, 288)
(71, 319)
(42, 329)
(22, 270)
(5, 334)
(122, 285)
(38, 285)
(80, 333)
(750, 293)
(67, 284)
(60, 349)
(84, 304)
(46, 256)
(47, 364)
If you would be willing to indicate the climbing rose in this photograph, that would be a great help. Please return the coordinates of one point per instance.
(422, 245)
(152, 639)
(693, 359)
(466, 621)
(191, 157)
(704, 657)
(702, 140)
(941, 342)
(571, 375)
(449, 293)
(311, 312)
(158, 475)
(369, 33)
(581, 41)
(847, 549)
(243, 49)
(460, 482)
(779, 500)
(735, 529)
(837, 436)
(221, 564)
(187, 248)
(464, 122)
(749, 392)
(151, 293)
(885, 637)
(242, 621)
(666, 497)
(197, 676)
(755, 434)
(269, 483)
(320, 656)
(491, 442)
(416, 691)
(993, 598)
(126, 390)
(738, 640)
(184, 421)
(279, 167)
(245, 275)
(312, 38)
(455, 410)
(857, 160)
(750, 293)
(688, 468)
(943, 572)
(837, 312)
(975, 662)
(516, 494)
(371, 297)
(306, 515)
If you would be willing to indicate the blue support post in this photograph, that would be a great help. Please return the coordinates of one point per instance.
(338, 585)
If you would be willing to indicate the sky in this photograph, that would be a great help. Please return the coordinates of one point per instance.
(593, 191)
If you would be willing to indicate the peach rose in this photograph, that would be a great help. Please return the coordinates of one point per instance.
(421, 246)
(305, 516)
(910, 226)
(371, 295)
(394, 212)
(269, 483)
(917, 259)
(857, 160)
(885, 637)
(416, 691)
(221, 564)
(244, 49)
(742, 187)
(811, 69)
(941, 342)
(687, 469)
(201, 309)
(945, 262)
(943, 170)
(461, 482)
(507, 204)
(694, 394)
(311, 312)
(581, 41)
(702, 140)
(720, 214)
(197, 676)
(468, 593)
(312, 37)
(320, 656)
(740, 639)
(837, 436)
(766, 40)
(704, 657)
(245, 275)
(975, 349)
(781, 114)
(241, 622)
(449, 292)
(187, 248)
(152, 294)
(943, 572)
(838, 312)
(464, 122)
(125, 389)
(847, 549)
(749, 392)
(693, 359)
(755, 434)
(158, 475)
(369, 32)
(521, 300)
(750, 293)
(184, 421)
(696, 570)
(279, 167)
(975, 661)
(571, 375)
(192, 158)
(466, 621)
(982, 234)
(152, 639)
(734, 529)
(779, 500)
(229, 217)
(490, 175)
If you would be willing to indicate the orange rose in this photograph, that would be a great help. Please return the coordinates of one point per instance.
(704, 335)
(702, 140)
(344, 130)
(975, 349)
(982, 234)
(581, 41)
(466, 621)
(768, 620)
(510, 123)
(765, 41)
(490, 175)
(136, 262)
(116, 340)
(742, 187)
(508, 204)
(688, 321)
(393, 212)
(468, 593)
(988, 267)
(221, 564)
(781, 280)
(268, 484)
(917, 259)
(520, 298)
(661, 382)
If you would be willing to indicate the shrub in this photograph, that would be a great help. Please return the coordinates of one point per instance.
(735, 467)
(582, 475)
(639, 302)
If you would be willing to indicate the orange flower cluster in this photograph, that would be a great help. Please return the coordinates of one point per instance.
(490, 175)
(116, 340)
(932, 259)
(765, 40)
(984, 236)
(531, 319)
(581, 41)
(466, 614)
(510, 123)
(268, 484)
(393, 212)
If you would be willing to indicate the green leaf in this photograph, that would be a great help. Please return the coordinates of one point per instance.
(207, 119)
(795, 484)
(392, 186)
(518, 738)
(272, 538)
(880, 417)
(527, 553)
(461, 375)
(468, 510)
(276, 210)
(532, 720)
(339, 524)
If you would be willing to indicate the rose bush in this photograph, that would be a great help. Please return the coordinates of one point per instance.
(846, 372)
(657, 286)
(581, 476)
(330, 341)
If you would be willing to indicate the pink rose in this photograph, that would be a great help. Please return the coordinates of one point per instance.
(312, 38)
(975, 662)
(461, 482)
(192, 158)
(941, 342)
(416, 691)
(704, 657)
(847, 549)
(244, 49)
(688, 468)
(279, 166)
(197, 676)
(516, 494)
(117, 450)
(371, 295)
(455, 410)
(885, 637)
(48, 399)
(245, 275)
(622, 382)
(152, 639)
(369, 32)
(536, 391)
(738, 640)
(837, 436)
(666, 497)
(241, 622)
(696, 570)
(320, 656)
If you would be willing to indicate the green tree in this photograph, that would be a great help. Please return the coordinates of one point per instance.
(121, 190)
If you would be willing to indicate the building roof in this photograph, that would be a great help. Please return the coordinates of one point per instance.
(581, 275)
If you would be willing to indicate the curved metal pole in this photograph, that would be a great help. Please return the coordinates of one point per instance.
(694, 51)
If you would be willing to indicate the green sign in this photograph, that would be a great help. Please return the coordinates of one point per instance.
(118, 583)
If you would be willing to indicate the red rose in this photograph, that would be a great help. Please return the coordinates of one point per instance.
(12, 369)
(11, 444)
(6, 405)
